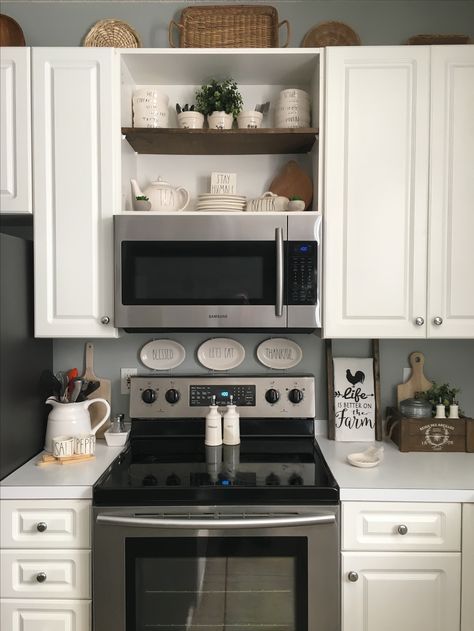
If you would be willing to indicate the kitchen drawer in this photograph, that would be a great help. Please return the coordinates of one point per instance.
(45, 574)
(401, 526)
(45, 524)
(45, 615)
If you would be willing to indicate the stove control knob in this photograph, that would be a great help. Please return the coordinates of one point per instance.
(272, 395)
(295, 480)
(295, 395)
(172, 396)
(272, 480)
(149, 395)
(149, 480)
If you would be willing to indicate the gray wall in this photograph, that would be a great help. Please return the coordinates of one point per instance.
(378, 22)
(449, 361)
(66, 22)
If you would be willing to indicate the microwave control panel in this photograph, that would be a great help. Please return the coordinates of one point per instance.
(302, 272)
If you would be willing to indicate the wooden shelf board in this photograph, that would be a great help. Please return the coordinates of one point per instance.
(219, 142)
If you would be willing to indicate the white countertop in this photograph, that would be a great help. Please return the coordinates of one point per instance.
(56, 481)
(401, 477)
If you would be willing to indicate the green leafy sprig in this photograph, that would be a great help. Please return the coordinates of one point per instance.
(219, 96)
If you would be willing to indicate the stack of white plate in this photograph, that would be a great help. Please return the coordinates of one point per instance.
(210, 201)
(292, 109)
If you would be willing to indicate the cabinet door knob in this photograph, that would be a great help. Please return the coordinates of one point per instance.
(420, 321)
(402, 529)
(41, 526)
(41, 577)
(438, 321)
(105, 320)
(353, 577)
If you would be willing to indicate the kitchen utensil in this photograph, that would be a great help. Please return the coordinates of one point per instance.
(11, 33)
(72, 419)
(102, 391)
(293, 181)
(417, 381)
(71, 375)
(415, 408)
(76, 389)
(62, 377)
(162, 195)
(50, 384)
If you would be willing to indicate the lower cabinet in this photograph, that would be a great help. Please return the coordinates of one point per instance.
(467, 596)
(401, 566)
(45, 581)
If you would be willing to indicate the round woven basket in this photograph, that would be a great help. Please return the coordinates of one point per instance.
(112, 34)
(330, 34)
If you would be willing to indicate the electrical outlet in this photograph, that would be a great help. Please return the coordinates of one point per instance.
(125, 374)
(406, 374)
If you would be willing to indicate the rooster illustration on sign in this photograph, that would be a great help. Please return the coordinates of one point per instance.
(359, 377)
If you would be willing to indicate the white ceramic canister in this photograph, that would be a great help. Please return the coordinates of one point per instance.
(191, 120)
(220, 120)
(250, 119)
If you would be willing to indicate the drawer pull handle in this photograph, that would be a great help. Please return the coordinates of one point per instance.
(353, 577)
(41, 577)
(41, 526)
(402, 529)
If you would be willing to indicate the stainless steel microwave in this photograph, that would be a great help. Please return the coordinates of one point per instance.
(209, 271)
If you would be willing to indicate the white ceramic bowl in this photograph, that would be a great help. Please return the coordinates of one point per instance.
(250, 119)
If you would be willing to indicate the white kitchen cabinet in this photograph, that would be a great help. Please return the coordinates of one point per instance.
(399, 185)
(451, 225)
(467, 600)
(15, 131)
(401, 566)
(53, 615)
(46, 582)
(76, 156)
(400, 591)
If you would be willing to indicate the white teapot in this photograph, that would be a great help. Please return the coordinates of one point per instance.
(162, 195)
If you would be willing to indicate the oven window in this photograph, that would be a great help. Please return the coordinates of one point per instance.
(198, 273)
(217, 584)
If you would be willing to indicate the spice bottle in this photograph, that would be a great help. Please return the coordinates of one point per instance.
(231, 424)
(213, 435)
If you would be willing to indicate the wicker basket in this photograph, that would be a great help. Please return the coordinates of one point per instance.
(330, 34)
(436, 38)
(111, 33)
(235, 26)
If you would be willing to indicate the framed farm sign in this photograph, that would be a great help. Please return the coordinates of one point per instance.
(353, 397)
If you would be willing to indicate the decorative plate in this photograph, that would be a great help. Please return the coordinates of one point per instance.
(278, 352)
(221, 353)
(330, 34)
(162, 354)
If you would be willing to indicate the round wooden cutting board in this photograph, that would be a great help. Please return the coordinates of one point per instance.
(293, 181)
(10, 32)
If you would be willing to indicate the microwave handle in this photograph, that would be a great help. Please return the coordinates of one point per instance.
(279, 272)
(192, 522)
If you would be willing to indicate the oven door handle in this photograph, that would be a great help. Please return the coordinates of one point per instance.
(279, 272)
(216, 523)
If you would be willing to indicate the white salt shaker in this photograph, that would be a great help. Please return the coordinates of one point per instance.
(213, 435)
(231, 425)
(440, 410)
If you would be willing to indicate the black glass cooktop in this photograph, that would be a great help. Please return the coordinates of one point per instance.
(182, 470)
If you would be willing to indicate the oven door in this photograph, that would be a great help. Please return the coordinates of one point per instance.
(229, 569)
(186, 271)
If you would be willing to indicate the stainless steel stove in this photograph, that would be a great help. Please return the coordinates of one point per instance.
(186, 535)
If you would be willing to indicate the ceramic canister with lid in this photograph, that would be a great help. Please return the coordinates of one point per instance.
(415, 408)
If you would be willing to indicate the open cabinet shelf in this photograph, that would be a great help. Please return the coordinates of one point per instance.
(219, 142)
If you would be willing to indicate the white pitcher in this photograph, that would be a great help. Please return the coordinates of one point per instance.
(71, 419)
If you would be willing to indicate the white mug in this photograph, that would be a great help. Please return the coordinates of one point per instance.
(84, 444)
(63, 446)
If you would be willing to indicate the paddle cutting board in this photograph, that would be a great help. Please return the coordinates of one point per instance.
(104, 391)
(417, 381)
(293, 181)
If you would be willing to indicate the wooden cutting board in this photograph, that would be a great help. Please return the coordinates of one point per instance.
(11, 33)
(293, 181)
(104, 391)
(417, 381)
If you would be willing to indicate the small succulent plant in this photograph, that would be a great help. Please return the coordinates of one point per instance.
(142, 198)
(184, 108)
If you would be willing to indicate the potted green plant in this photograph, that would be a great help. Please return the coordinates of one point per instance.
(220, 101)
(296, 203)
(440, 393)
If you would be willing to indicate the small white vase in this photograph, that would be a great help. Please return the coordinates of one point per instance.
(191, 120)
(296, 204)
(220, 120)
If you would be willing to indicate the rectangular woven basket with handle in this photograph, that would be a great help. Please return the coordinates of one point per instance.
(235, 26)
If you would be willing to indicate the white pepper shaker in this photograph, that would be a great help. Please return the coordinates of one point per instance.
(454, 410)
